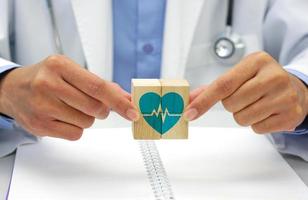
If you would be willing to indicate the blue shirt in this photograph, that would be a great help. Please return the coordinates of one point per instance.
(138, 27)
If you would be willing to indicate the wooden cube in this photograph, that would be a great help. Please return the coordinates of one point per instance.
(161, 104)
(181, 88)
(140, 87)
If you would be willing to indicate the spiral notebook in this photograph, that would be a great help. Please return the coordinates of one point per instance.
(214, 163)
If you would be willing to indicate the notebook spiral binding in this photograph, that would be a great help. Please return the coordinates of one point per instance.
(155, 170)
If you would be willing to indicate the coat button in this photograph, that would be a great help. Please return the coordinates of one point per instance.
(148, 48)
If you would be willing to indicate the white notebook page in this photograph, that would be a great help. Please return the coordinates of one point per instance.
(215, 163)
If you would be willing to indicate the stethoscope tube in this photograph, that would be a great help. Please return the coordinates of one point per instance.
(228, 47)
(229, 20)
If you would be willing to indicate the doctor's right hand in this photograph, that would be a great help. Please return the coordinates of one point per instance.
(58, 98)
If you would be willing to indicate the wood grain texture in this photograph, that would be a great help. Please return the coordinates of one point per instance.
(141, 129)
(181, 87)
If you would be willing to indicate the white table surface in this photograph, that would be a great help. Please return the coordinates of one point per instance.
(7, 163)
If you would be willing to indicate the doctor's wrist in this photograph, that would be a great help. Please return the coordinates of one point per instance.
(302, 89)
(6, 89)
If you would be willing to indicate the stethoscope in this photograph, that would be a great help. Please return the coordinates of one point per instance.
(228, 48)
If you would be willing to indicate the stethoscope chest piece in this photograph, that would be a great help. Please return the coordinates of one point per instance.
(228, 48)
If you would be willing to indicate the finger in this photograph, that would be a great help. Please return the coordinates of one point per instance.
(63, 130)
(119, 89)
(250, 92)
(99, 89)
(81, 101)
(104, 113)
(196, 93)
(272, 124)
(256, 112)
(67, 114)
(272, 104)
(118, 101)
(223, 87)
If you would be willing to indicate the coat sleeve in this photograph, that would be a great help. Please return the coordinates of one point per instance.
(5, 28)
(285, 35)
(6, 33)
(11, 135)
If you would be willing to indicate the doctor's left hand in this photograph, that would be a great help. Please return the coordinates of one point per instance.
(259, 93)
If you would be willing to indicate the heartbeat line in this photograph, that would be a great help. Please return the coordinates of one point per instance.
(163, 114)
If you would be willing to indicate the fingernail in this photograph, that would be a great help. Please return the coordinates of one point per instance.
(102, 115)
(132, 114)
(191, 114)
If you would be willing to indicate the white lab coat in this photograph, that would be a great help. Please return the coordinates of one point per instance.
(278, 26)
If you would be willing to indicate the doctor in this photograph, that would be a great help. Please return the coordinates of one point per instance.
(262, 82)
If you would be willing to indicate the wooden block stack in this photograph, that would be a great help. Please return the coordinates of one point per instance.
(161, 104)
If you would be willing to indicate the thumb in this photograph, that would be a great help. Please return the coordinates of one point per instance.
(202, 101)
(195, 93)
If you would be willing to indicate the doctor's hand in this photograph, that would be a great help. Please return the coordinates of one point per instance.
(259, 93)
(58, 98)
